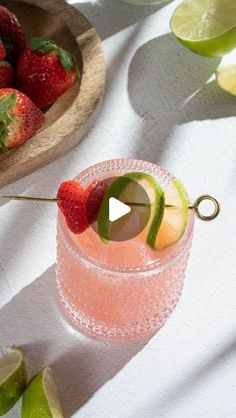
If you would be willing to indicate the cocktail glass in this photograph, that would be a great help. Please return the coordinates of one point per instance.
(120, 290)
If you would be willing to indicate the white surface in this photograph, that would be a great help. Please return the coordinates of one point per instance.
(157, 107)
(117, 209)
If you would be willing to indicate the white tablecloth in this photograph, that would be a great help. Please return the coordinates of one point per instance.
(158, 106)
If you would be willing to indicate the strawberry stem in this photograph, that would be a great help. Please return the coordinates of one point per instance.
(67, 59)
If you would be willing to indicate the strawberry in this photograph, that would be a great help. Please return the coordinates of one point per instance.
(96, 192)
(20, 118)
(11, 32)
(45, 71)
(80, 207)
(2, 51)
(73, 204)
(6, 74)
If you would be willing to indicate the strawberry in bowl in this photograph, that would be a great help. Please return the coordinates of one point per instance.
(11, 33)
(45, 71)
(20, 119)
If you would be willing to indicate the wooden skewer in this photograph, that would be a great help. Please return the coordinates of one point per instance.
(56, 200)
(34, 198)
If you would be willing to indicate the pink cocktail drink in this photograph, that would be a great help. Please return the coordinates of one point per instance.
(120, 290)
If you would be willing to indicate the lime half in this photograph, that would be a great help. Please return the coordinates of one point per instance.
(226, 73)
(175, 217)
(40, 399)
(207, 27)
(13, 379)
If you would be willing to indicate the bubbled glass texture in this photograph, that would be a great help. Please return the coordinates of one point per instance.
(114, 303)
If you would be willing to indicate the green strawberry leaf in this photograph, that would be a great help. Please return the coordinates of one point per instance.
(7, 102)
(5, 118)
(77, 71)
(42, 45)
(67, 60)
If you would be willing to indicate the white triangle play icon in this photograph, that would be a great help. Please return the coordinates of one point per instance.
(117, 209)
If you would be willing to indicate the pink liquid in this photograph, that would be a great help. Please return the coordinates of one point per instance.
(120, 290)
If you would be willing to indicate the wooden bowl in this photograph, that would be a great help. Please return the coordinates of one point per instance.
(70, 118)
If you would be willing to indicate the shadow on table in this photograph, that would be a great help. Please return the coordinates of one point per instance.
(168, 86)
(25, 215)
(188, 384)
(111, 16)
(81, 365)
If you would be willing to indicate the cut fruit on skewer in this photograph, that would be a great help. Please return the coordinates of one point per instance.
(161, 215)
(175, 217)
(128, 188)
(167, 222)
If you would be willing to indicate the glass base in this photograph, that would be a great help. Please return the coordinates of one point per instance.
(98, 330)
(138, 330)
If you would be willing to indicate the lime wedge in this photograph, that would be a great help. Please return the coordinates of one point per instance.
(13, 379)
(175, 217)
(125, 189)
(207, 27)
(226, 73)
(40, 399)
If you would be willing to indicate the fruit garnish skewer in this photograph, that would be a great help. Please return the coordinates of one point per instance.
(167, 219)
(194, 206)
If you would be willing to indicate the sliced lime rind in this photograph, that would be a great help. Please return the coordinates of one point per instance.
(175, 217)
(40, 399)
(184, 198)
(169, 209)
(207, 27)
(13, 379)
(115, 191)
(157, 211)
(118, 189)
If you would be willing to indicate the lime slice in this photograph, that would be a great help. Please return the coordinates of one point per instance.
(226, 73)
(40, 399)
(175, 217)
(207, 27)
(125, 189)
(13, 379)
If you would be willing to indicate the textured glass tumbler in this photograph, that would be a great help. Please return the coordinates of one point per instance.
(100, 294)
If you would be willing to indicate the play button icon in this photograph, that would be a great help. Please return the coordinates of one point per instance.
(125, 210)
(117, 209)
